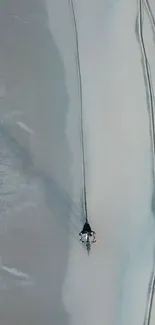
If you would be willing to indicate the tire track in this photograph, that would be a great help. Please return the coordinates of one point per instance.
(151, 106)
(84, 192)
(150, 15)
(148, 83)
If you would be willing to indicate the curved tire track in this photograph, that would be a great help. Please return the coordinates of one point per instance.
(151, 106)
(150, 15)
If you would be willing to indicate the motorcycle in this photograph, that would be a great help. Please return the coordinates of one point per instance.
(87, 236)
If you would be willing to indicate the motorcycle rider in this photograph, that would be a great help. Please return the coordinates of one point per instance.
(87, 234)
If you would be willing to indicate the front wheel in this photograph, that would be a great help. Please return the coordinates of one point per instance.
(88, 246)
